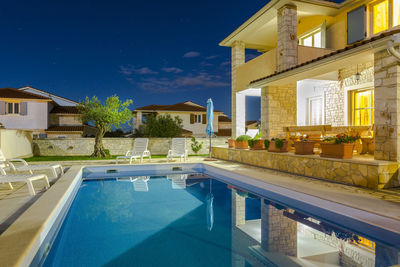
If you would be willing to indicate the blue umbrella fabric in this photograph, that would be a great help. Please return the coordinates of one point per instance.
(210, 117)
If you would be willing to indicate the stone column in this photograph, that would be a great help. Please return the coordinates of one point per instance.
(278, 233)
(278, 109)
(238, 58)
(287, 37)
(238, 209)
(387, 106)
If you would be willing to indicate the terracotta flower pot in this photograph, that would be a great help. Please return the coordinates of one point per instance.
(304, 147)
(259, 145)
(273, 148)
(231, 143)
(242, 144)
(337, 151)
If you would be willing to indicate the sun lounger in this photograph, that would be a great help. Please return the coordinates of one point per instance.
(10, 165)
(178, 180)
(139, 151)
(178, 149)
(26, 178)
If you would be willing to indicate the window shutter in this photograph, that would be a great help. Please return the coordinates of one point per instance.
(204, 120)
(191, 118)
(356, 21)
(2, 108)
(24, 108)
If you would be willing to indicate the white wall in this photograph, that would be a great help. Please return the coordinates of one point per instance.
(37, 117)
(16, 143)
(307, 89)
(198, 129)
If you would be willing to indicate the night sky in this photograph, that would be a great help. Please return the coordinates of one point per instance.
(154, 52)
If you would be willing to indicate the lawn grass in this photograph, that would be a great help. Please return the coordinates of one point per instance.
(71, 158)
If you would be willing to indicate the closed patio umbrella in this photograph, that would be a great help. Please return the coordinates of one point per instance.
(210, 117)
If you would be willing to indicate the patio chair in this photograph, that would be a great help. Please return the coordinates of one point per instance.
(139, 151)
(178, 180)
(139, 182)
(26, 178)
(9, 165)
(178, 149)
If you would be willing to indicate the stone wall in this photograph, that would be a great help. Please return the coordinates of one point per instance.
(278, 109)
(287, 37)
(334, 104)
(237, 59)
(117, 146)
(371, 174)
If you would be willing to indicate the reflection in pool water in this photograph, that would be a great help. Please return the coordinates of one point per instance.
(192, 220)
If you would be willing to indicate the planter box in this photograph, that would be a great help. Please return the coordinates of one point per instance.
(338, 151)
(242, 144)
(304, 148)
(259, 145)
(231, 143)
(273, 148)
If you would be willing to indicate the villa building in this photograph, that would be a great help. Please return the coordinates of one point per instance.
(43, 113)
(326, 65)
(193, 117)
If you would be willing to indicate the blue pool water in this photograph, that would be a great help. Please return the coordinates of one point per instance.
(192, 220)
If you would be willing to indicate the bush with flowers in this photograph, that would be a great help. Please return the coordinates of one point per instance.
(342, 139)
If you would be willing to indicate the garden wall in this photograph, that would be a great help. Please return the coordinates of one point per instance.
(117, 146)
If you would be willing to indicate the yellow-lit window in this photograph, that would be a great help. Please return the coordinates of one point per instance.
(364, 243)
(380, 16)
(363, 107)
(396, 12)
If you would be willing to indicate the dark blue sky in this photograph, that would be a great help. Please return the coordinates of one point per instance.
(154, 52)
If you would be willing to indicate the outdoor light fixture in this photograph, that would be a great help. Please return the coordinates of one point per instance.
(357, 75)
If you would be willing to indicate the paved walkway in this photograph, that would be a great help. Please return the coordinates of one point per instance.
(385, 202)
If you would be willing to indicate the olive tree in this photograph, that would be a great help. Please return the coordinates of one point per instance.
(113, 113)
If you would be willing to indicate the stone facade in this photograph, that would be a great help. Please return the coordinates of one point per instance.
(117, 146)
(237, 59)
(278, 109)
(287, 37)
(334, 104)
(371, 174)
(387, 107)
(278, 233)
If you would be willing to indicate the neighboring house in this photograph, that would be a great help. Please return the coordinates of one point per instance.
(224, 126)
(193, 116)
(45, 114)
(321, 63)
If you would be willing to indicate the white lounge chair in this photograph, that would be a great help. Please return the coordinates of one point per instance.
(178, 149)
(8, 165)
(139, 182)
(26, 178)
(139, 151)
(178, 180)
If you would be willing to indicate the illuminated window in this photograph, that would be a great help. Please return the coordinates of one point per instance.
(380, 16)
(362, 107)
(313, 39)
(396, 12)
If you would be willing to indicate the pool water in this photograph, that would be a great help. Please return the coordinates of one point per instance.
(192, 220)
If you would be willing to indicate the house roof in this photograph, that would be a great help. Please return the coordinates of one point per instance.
(334, 53)
(224, 119)
(17, 94)
(224, 132)
(65, 110)
(183, 106)
(72, 128)
(50, 95)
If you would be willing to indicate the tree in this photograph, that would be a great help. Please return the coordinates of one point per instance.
(163, 126)
(113, 114)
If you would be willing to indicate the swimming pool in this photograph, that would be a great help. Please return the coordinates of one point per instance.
(200, 216)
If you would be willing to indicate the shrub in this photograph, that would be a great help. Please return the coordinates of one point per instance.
(266, 143)
(163, 126)
(196, 145)
(252, 142)
(278, 143)
(243, 138)
(342, 139)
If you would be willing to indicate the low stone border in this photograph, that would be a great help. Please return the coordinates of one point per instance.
(374, 174)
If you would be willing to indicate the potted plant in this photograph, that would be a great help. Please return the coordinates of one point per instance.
(242, 141)
(304, 146)
(256, 144)
(278, 145)
(340, 147)
(231, 143)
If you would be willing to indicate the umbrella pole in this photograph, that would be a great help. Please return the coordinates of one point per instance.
(210, 147)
